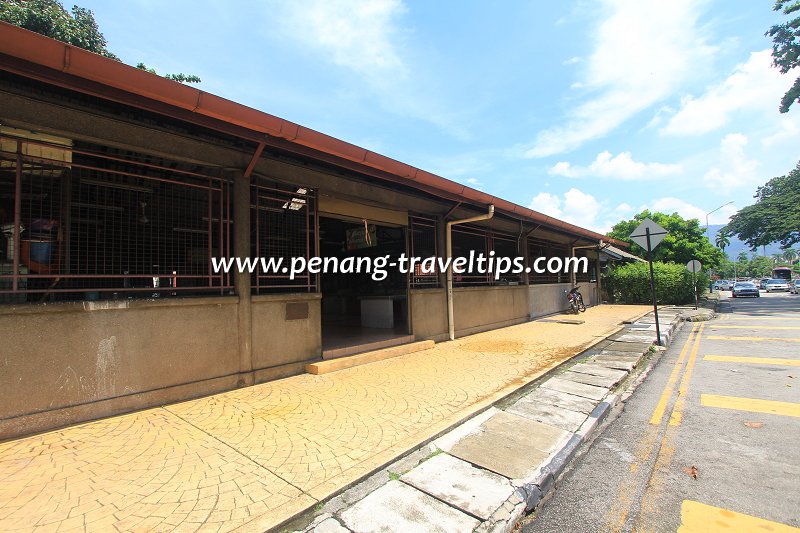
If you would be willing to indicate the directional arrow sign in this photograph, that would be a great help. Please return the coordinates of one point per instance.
(657, 234)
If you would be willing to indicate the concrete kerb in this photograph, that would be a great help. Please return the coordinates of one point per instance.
(529, 492)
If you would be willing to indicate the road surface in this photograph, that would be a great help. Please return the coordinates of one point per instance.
(722, 404)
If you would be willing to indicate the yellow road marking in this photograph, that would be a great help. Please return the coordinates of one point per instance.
(677, 410)
(774, 317)
(650, 502)
(753, 405)
(753, 360)
(661, 406)
(698, 517)
(755, 327)
(756, 339)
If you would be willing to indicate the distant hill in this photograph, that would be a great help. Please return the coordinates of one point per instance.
(736, 246)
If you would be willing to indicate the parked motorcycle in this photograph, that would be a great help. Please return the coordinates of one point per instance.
(575, 300)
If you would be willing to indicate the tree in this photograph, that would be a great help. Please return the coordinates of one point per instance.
(775, 217)
(722, 240)
(686, 240)
(786, 48)
(50, 18)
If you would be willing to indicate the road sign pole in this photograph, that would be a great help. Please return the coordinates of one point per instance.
(694, 284)
(653, 285)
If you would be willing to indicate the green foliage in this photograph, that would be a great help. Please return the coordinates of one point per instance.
(686, 240)
(630, 283)
(722, 240)
(50, 18)
(776, 215)
(786, 48)
(181, 78)
(757, 266)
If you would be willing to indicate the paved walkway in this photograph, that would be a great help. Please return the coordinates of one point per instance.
(254, 457)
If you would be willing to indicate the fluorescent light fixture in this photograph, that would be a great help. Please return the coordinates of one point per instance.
(113, 185)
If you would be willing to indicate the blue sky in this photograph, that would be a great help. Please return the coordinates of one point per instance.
(588, 111)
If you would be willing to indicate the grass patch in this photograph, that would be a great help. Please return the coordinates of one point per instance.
(393, 476)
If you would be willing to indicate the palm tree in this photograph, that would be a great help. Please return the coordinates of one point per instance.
(791, 256)
(723, 239)
(776, 258)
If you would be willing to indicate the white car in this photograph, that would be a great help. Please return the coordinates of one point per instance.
(777, 285)
(723, 285)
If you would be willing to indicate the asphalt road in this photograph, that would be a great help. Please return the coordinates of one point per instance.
(724, 399)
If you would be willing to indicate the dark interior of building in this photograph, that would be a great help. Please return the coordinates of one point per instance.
(357, 309)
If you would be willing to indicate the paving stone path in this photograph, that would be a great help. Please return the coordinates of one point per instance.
(254, 457)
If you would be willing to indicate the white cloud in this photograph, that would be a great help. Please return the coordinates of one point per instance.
(576, 207)
(753, 85)
(356, 34)
(571, 60)
(644, 51)
(687, 210)
(735, 169)
(621, 166)
(788, 130)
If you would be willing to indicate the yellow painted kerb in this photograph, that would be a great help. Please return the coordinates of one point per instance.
(698, 517)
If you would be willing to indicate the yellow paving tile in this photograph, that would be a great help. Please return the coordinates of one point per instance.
(753, 405)
(698, 517)
(253, 457)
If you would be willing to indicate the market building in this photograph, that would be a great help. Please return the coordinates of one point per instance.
(118, 187)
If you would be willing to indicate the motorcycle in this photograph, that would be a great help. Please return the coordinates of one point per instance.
(575, 300)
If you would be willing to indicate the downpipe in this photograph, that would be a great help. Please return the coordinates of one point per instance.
(451, 327)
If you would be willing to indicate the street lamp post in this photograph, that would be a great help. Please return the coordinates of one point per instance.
(714, 211)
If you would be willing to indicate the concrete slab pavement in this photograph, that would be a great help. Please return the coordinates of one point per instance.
(528, 441)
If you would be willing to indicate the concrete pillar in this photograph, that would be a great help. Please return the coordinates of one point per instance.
(523, 251)
(241, 281)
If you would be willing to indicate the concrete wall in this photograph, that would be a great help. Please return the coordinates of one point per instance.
(74, 361)
(550, 298)
(282, 344)
(429, 314)
(475, 309)
(56, 357)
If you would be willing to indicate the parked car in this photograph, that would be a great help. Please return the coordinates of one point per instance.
(794, 286)
(723, 285)
(777, 285)
(745, 288)
(763, 284)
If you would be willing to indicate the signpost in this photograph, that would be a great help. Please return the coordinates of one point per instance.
(694, 266)
(649, 235)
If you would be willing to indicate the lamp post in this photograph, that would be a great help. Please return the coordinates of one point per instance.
(714, 211)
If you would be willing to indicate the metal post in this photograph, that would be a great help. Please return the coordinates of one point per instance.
(694, 284)
(653, 286)
(17, 219)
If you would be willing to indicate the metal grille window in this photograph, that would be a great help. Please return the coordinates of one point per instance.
(590, 276)
(423, 244)
(283, 225)
(468, 238)
(543, 248)
(506, 246)
(90, 222)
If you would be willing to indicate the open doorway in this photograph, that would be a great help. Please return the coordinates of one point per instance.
(360, 313)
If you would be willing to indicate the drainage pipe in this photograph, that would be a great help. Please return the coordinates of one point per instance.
(451, 327)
